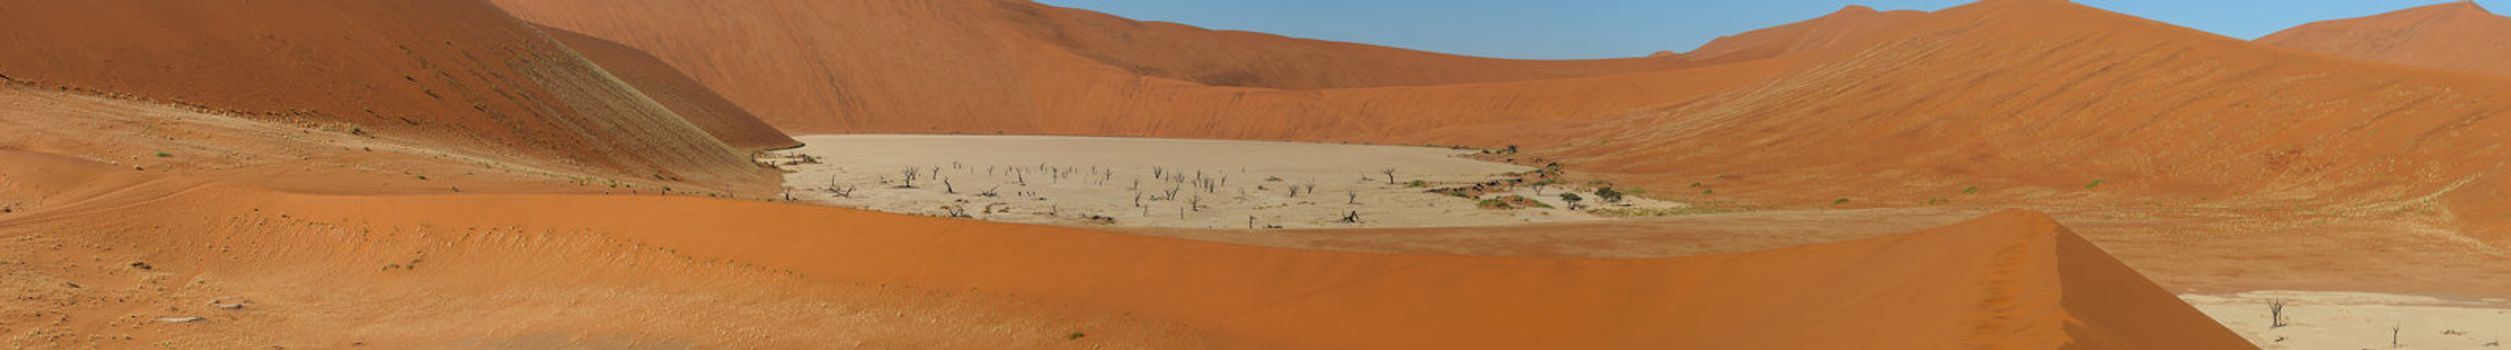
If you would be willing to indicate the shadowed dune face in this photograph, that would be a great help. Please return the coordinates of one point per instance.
(2457, 35)
(460, 73)
(2008, 280)
(693, 102)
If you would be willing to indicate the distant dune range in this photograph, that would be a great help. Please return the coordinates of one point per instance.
(462, 73)
(1019, 67)
(2457, 35)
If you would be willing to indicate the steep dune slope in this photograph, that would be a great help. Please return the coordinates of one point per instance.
(2009, 280)
(2054, 103)
(982, 67)
(2457, 35)
(692, 101)
(461, 73)
(1836, 29)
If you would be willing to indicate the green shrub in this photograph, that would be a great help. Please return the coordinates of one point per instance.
(1608, 195)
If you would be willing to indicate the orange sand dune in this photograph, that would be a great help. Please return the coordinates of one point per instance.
(2009, 280)
(1833, 30)
(2053, 103)
(2456, 35)
(459, 72)
(1018, 67)
(693, 102)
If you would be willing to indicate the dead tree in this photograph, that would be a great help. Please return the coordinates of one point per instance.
(1352, 218)
(910, 172)
(1355, 197)
(989, 192)
(947, 188)
(2275, 313)
(1390, 175)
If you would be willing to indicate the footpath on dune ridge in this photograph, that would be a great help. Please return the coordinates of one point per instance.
(2013, 279)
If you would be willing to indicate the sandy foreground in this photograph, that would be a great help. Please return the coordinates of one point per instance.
(1172, 183)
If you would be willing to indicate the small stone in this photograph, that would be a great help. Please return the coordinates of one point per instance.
(143, 265)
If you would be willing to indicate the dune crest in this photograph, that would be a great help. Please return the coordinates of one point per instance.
(1835, 29)
(2457, 35)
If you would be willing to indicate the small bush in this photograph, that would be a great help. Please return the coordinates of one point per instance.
(1608, 195)
(1842, 200)
(2095, 183)
(163, 154)
(1417, 184)
(1510, 202)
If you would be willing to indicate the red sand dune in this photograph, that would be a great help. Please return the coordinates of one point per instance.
(459, 72)
(2009, 280)
(693, 102)
(1018, 67)
(2036, 101)
(1833, 30)
(2456, 35)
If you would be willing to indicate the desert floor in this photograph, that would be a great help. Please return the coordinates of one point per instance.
(2349, 320)
(1174, 183)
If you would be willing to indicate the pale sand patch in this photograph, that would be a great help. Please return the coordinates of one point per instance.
(2355, 320)
(1068, 180)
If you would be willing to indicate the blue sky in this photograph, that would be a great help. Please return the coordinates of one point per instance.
(1621, 28)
